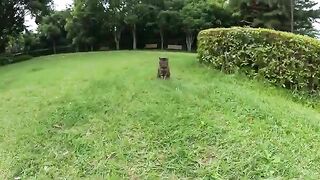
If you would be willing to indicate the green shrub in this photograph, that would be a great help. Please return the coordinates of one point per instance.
(20, 58)
(10, 58)
(45, 52)
(6, 59)
(285, 59)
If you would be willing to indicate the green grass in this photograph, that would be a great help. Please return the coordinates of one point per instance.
(106, 116)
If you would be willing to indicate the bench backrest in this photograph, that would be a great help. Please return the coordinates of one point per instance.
(151, 46)
(175, 47)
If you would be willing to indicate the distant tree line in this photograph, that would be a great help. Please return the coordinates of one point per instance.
(130, 24)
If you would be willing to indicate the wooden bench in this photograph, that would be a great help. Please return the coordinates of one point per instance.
(104, 48)
(175, 47)
(151, 46)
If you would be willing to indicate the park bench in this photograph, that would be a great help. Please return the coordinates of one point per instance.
(104, 48)
(151, 46)
(175, 47)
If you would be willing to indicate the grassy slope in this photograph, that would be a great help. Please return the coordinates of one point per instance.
(105, 115)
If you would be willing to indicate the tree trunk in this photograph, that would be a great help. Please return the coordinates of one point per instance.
(3, 44)
(117, 37)
(162, 39)
(189, 41)
(2, 49)
(28, 50)
(134, 36)
(117, 44)
(91, 47)
(292, 15)
(54, 47)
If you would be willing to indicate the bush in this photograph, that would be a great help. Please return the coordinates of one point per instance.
(285, 59)
(45, 52)
(6, 59)
(41, 52)
(20, 58)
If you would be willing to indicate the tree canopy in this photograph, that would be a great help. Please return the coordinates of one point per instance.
(12, 15)
(285, 15)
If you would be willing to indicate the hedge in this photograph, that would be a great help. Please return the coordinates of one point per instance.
(6, 59)
(285, 59)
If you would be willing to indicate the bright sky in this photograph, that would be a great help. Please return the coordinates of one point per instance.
(63, 4)
(317, 25)
(58, 5)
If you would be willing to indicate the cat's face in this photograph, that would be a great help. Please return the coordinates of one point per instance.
(163, 63)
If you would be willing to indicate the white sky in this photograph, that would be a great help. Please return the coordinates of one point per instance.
(317, 25)
(63, 4)
(58, 5)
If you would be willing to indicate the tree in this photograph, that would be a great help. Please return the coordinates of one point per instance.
(39, 8)
(193, 20)
(15, 44)
(305, 15)
(51, 32)
(201, 14)
(12, 13)
(116, 12)
(73, 27)
(165, 21)
(52, 27)
(29, 40)
(136, 12)
(292, 6)
(296, 16)
(169, 17)
(264, 13)
(11, 18)
(85, 23)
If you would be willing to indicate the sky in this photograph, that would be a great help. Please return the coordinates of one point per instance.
(63, 4)
(58, 5)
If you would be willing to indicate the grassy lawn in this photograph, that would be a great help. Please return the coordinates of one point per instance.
(105, 115)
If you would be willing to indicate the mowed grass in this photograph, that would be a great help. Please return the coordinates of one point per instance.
(106, 116)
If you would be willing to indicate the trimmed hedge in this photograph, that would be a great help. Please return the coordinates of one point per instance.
(6, 59)
(285, 59)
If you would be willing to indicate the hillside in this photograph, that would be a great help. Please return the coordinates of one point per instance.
(105, 115)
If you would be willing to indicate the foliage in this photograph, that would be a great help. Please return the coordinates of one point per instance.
(116, 13)
(85, 24)
(167, 20)
(136, 13)
(193, 17)
(286, 15)
(59, 49)
(273, 14)
(91, 24)
(305, 15)
(52, 27)
(6, 59)
(20, 58)
(199, 15)
(39, 8)
(98, 20)
(282, 58)
(12, 19)
(30, 40)
(12, 13)
(15, 44)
